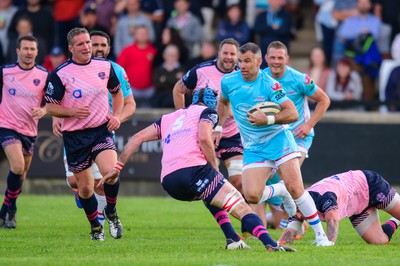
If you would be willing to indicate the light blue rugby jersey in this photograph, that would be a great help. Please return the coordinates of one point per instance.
(243, 95)
(123, 80)
(297, 86)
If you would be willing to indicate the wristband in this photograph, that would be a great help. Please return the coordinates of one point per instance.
(218, 129)
(118, 166)
(271, 119)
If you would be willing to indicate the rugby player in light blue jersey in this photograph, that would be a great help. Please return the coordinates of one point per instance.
(267, 141)
(298, 87)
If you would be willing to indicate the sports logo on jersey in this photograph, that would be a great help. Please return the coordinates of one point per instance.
(77, 93)
(380, 197)
(50, 89)
(102, 75)
(36, 82)
(167, 140)
(307, 80)
(12, 91)
(213, 118)
(259, 99)
(276, 86)
(185, 77)
(326, 205)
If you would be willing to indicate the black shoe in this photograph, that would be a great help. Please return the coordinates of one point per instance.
(280, 248)
(97, 233)
(11, 220)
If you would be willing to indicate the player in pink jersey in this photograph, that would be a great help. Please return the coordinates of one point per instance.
(189, 169)
(23, 86)
(78, 93)
(209, 74)
(357, 195)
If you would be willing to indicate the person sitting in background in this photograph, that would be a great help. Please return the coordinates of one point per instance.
(392, 91)
(318, 69)
(24, 27)
(165, 77)
(137, 60)
(88, 19)
(234, 26)
(170, 36)
(54, 59)
(207, 52)
(344, 84)
(188, 25)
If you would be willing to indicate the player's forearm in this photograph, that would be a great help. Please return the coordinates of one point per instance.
(223, 111)
(287, 236)
(319, 111)
(118, 104)
(129, 108)
(59, 111)
(207, 147)
(332, 228)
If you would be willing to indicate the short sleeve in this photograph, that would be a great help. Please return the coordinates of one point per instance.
(209, 115)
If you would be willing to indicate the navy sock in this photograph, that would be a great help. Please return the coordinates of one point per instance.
(253, 224)
(13, 190)
(389, 228)
(90, 207)
(4, 207)
(111, 192)
(222, 218)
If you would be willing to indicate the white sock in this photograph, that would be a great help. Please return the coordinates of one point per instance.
(307, 208)
(101, 204)
(270, 191)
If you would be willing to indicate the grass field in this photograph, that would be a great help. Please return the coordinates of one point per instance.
(162, 231)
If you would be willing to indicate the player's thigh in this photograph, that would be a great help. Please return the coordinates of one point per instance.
(368, 226)
(105, 161)
(254, 179)
(15, 157)
(289, 172)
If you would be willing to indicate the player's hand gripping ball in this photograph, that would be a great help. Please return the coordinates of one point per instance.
(268, 108)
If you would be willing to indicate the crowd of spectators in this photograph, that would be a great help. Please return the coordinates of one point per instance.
(157, 40)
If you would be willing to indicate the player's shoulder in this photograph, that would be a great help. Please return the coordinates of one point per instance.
(9, 65)
(295, 74)
(210, 63)
(42, 68)
(116, 66)
(63, 65)
(231, 77)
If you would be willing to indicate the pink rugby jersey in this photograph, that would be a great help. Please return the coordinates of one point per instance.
(72, 85)
(179, 134)
(351, 189)
(208, 75)
(22, 90)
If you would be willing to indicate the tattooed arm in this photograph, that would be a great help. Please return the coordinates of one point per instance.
(287, 236)
(332, 224)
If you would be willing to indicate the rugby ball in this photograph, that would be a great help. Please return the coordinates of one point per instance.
(268, 108)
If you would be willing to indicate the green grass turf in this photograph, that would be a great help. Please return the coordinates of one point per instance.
(162, 231)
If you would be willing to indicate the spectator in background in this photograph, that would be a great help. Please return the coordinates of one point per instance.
(124, 33)
(7, 11)
(105, 11)
(42, 24)
(188, 25)
(24, 28)
(392, 91)
(273, 24)
(352, 31)
(66, 16)
(344, 83)
(234, 26)
(88, 19)
(54, 59)
(171, 36)
(195, 9)
(207, 52)
(318, 69)
(137, 60)
(165, 77)
(395, 49)
(388, 12)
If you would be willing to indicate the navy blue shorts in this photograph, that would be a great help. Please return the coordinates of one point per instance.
(82, 146)
(194, 183)
(379, 188)
(229, 147)
(9, 136)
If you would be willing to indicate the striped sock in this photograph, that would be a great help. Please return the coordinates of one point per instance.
(90, 207)
(390, 227)
(111, 192)
(252, 223)
(307, 208)
(222, 218)
(13, 190)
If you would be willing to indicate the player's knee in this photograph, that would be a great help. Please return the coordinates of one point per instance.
(236, 181)
(234, 167)
(18, 168)
(71, 182)
(86, 190)
(232, 200)
(252, 198)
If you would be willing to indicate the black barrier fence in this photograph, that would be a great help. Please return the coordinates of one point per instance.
(338, 146)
